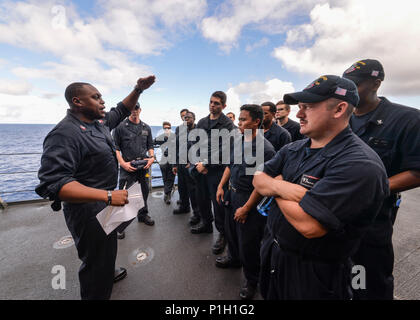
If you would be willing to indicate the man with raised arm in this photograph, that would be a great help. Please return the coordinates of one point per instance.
(80, 168)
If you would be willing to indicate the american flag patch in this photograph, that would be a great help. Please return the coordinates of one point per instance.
(352, 68)
(341, 91)
(375, 73)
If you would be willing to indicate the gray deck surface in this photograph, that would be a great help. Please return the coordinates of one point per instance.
(181, 265)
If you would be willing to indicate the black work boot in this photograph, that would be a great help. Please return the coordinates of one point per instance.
(181, 210)
(226, 262)
(202, 228)
(145, 218)
(194, 220)
(248, 291)
(120, 274)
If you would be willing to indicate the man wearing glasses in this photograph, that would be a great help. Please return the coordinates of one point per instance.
(168, 176)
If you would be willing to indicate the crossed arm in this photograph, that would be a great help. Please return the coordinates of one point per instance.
(288, 196)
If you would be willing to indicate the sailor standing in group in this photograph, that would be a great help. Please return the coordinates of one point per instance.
(184, 206)
(327, 190)
(168, 176)
(283, 120)
(277, 135)
(184, 177)
(210, 174)
(393, 131)
(79, 167)
(244, 227)
(133, 140)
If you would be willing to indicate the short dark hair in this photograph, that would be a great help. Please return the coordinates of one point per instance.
(221, 95)
(255, 111)
(191, 113)
(334, 101)
(183, 110)
(73, 90)
(287, 106)
(271, 105)
(232, 114)
(166, 123)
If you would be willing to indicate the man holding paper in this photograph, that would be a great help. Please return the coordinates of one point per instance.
(79, 167)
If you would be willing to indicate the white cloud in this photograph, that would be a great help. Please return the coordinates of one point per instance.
(256, 92)
(232, 16)
(99, 48)
(95, 49)
(262, 43)
(14, 87)
(30, 109)
(342, 34)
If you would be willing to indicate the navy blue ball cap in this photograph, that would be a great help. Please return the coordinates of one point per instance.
(365, 69)
(323, 88)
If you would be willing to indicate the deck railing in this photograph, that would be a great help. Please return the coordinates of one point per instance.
(3, 204)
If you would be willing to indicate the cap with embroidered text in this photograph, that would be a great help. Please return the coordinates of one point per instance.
(365, 69)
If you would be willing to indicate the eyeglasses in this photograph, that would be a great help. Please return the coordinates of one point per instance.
(187, 117)
(166, 128)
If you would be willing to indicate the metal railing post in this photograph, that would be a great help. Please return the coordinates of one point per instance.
(3, 205)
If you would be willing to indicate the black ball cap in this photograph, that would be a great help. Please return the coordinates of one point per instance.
(323, 88)
(365, 69)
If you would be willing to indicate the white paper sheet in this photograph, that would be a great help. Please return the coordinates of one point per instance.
(111, 217)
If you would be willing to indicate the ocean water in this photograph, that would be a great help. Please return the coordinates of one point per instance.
(20, 156)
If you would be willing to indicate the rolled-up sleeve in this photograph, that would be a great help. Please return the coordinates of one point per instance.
(116, 115)
(59, 163)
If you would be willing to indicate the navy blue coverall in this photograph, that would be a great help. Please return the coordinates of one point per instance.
(244, 239)
(346, 184)
(207, 183)
(393, 131)
(278, 136)
(133, 141)
(85, 152)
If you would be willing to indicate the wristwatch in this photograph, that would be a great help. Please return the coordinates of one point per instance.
(109, 197)
(137, 89)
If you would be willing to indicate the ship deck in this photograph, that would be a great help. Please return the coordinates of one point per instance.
(164, 262)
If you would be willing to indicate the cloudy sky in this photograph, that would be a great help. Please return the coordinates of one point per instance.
(254, 50)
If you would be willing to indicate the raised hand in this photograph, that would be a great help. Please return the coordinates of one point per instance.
(144, 83)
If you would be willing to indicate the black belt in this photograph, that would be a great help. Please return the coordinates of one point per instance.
(305, 256)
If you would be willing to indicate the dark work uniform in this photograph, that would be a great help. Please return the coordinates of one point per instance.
(133, 141)
(277, 136)
(187, 186)
(346, 184)
(393, 131)
(85, 152)
(168, 176)
(207, 183)
(244, 239)
(294, 129)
